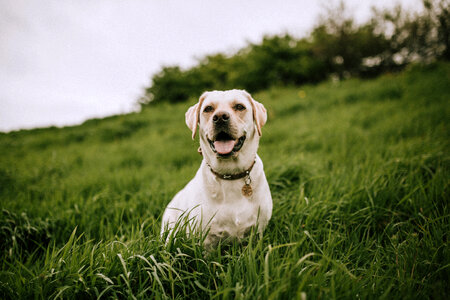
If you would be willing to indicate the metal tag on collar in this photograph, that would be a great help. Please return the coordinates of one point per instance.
(247, 190)
(248, 179)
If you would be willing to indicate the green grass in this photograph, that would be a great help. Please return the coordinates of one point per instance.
(359, 174)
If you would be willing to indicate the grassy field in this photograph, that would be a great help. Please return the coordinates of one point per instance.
(359, 174)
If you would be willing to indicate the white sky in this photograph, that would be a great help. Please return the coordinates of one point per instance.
(62, 62)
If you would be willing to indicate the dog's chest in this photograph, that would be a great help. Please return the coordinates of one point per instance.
(233, 219)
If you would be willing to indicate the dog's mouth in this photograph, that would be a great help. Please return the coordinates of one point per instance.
(225, 145)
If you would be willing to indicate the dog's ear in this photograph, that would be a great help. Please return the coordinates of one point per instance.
(192, 119)
(193, 114)
(259, 113)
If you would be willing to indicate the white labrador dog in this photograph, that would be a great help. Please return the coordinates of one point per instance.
(229, 194)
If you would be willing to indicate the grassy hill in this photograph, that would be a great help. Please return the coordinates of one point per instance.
(359, 174)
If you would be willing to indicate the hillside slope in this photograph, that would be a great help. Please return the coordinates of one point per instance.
(359, 174)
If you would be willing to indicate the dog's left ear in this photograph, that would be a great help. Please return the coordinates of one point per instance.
(193, 114)
(259, 113)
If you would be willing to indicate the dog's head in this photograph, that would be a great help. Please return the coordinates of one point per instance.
(229, 125)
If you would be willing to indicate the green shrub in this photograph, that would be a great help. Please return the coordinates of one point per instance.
(337, 47)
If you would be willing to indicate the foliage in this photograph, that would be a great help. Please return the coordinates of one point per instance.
(358, 171)
(414, 37)
(336, 47)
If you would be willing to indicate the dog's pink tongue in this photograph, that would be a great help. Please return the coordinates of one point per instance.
(224, 147)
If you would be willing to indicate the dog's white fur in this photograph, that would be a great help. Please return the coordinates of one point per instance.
(214, 203)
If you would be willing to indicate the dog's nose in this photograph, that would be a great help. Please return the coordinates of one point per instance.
(221, 117)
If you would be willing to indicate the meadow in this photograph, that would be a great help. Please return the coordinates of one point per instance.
(359, 175)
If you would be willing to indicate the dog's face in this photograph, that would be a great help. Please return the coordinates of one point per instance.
(229, 127)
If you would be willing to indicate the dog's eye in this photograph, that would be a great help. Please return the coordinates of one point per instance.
(208, 109)
(239, 107)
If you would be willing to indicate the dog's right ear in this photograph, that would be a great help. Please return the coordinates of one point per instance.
(193, 115)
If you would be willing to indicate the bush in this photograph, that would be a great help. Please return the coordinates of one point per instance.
(337, 47)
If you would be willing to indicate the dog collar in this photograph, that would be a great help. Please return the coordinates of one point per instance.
(246, 173)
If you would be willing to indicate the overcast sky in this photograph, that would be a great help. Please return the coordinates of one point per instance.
(62, 62)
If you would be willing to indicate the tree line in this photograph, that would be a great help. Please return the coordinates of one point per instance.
(336, 47)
